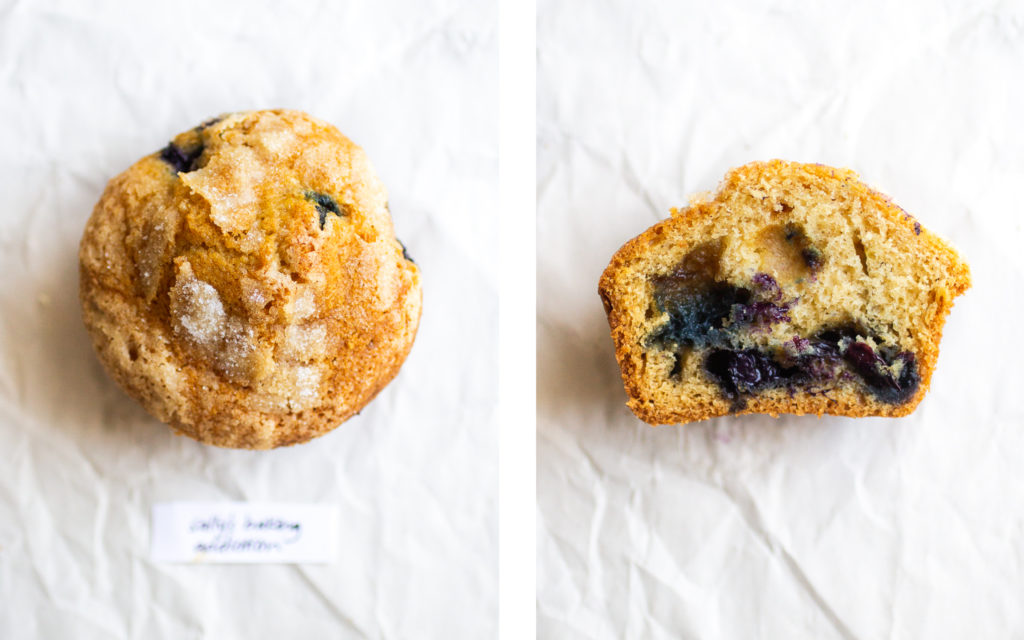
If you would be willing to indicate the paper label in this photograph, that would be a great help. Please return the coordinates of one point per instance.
(243, 532)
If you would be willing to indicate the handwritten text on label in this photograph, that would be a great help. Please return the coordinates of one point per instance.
(243, 532)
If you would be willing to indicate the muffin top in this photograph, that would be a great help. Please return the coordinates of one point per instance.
(245, 283)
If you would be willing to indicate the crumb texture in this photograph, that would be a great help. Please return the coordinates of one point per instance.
(794, 289)
(244, 283)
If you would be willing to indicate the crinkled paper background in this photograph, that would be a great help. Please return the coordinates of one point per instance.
(797, 527)
(89, 87)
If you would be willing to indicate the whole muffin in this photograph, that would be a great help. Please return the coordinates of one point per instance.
(245, 285)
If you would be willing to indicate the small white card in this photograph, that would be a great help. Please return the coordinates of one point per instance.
(243, 532)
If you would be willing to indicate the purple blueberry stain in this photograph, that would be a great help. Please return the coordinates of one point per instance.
(765, 311)
(812, 258)
(835, 354)
(767, 286)
(742, 372)
(798, 346)
(760, 316)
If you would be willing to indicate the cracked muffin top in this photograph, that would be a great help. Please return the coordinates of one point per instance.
(245, 284)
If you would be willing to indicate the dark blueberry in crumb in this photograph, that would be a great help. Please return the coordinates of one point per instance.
(908, 379)
(677, 367)
(837, 335)
(876, 373)
(183, 161)
(906, 385)
(819, 368)
(917, 228)
(825, 349)
(209, 123)
(760, 315)
(700, 307)
(812, 258)
(869, 365)
(746, 371)
(813, 360)
(405, 253)
(797, 237)
(324, 204)
(877, 369)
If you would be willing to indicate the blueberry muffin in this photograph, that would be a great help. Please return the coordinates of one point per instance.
(794, 289)
(244, 283)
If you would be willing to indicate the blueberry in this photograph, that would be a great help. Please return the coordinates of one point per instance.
(182, 160)
(696, 317)
(405, 252)
(878, 375)
(875, 369)
(324, 204)
(699, 306)
(836, 336)
(744, 372)
(824, 349)
(812, 258)
(891, 376)
(863, 359)
(917, 228)
(209, 123)
(796, 236)
(909, 378)
(760, 315)
(677, 367)
(819, 369)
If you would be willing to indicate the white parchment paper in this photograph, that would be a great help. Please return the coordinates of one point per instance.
(89, 87)
(798, 527)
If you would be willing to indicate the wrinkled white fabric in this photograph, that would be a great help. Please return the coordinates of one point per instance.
(798, 527)
(89, 87)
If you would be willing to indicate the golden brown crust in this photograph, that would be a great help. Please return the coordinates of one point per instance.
(257, 297)
(910, 278)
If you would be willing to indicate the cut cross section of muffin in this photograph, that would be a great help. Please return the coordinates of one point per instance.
(794, 289)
